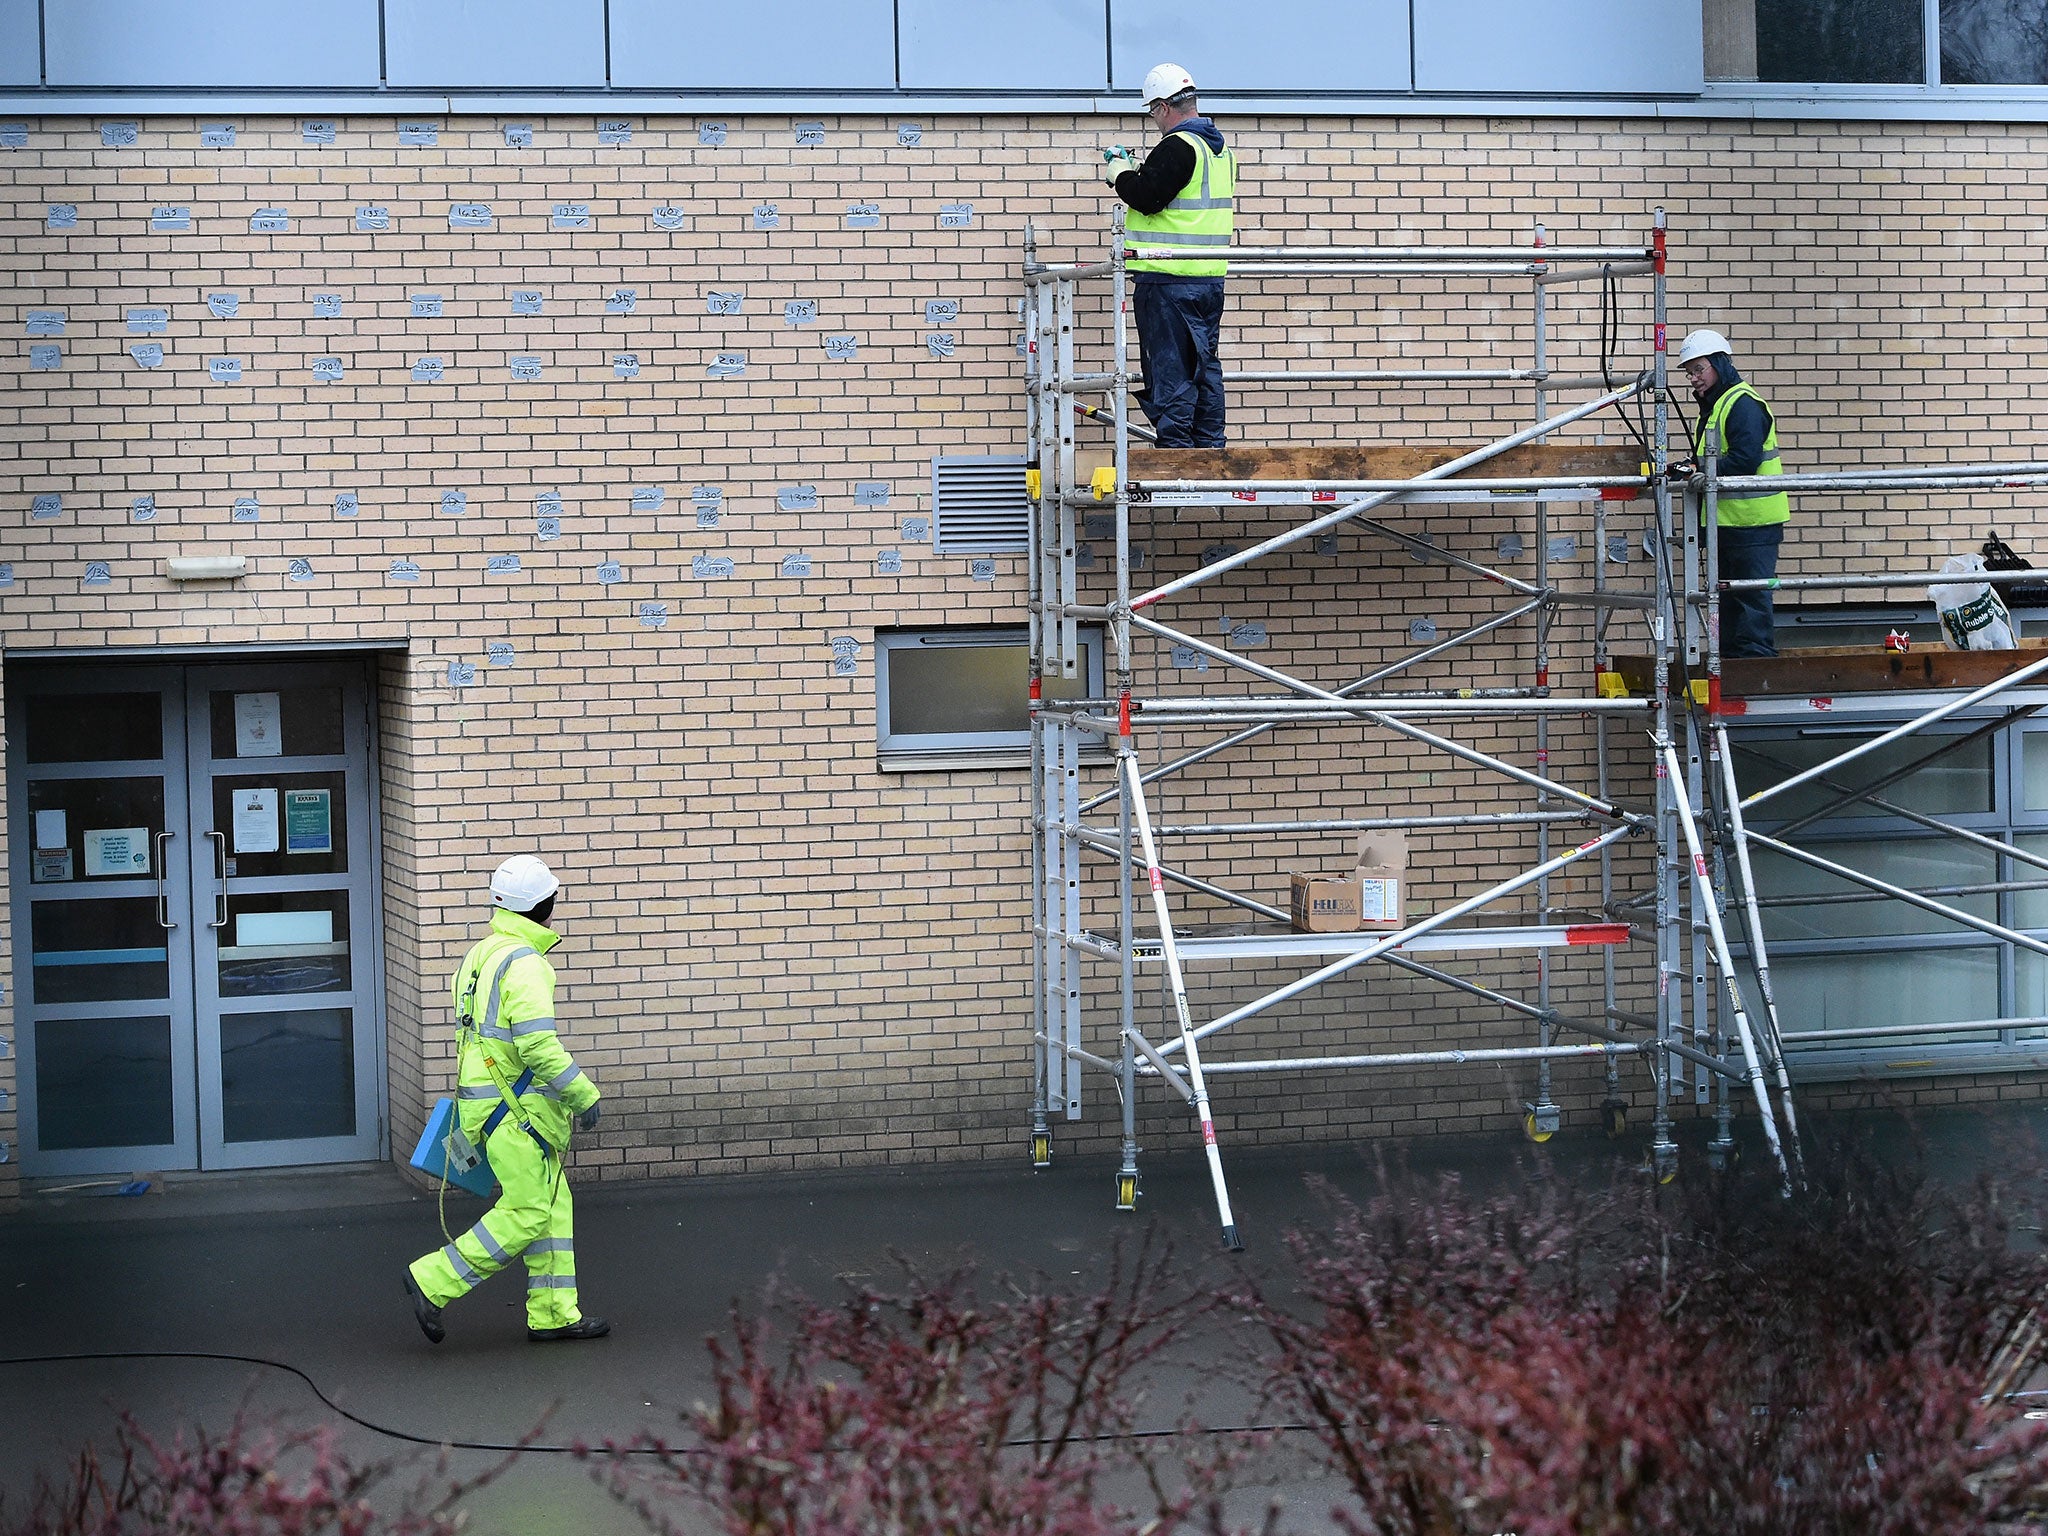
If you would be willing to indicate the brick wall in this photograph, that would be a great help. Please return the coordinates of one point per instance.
(779, 956)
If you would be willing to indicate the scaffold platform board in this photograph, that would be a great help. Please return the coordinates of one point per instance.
(1405, 461)
(1245, 941)
(1830, 671)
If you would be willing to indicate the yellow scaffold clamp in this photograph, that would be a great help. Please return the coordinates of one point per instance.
(1103, 482)
(1698, 688)
(1610, 685)
(1034, 483)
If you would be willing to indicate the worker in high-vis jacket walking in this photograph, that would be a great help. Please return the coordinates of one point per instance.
(517, 1090)
(1183, 200)
(1749, 528)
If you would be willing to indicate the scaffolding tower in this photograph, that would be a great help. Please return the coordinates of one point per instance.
(1092, 800)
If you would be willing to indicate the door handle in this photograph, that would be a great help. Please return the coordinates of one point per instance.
(163, 907)
(220, 895)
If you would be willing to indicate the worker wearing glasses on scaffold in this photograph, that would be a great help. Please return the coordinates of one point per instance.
(1749, 528)
(1182, 199)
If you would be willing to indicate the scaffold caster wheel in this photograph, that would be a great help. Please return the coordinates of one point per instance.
(1127, 1191)
(1664, 1161)
(1041, 1149)
(1535, 1129)
(1723, 1156)
(1614, 1118)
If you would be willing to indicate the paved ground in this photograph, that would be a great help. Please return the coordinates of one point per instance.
(304, 1269)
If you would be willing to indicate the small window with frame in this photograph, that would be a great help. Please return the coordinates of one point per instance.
(959, 695)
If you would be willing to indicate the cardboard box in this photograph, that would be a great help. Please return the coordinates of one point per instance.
(1382, 872)
(1324, 905)
(1367, 899)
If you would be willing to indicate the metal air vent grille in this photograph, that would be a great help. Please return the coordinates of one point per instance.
(979, 506)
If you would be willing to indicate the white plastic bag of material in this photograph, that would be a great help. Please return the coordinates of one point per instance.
(1973, 616)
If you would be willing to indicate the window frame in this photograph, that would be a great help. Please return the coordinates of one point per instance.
(938, 750)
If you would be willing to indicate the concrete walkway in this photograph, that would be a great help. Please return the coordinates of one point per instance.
(304, 1269)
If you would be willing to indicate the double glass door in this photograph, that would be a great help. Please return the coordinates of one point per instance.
(195, 916)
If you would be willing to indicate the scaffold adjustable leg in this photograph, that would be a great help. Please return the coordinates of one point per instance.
(1664, 1159)
(1041, 1141)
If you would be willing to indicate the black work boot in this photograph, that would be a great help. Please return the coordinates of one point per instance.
(424, 1311)
(588, 1328)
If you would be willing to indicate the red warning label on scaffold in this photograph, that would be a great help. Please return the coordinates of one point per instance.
(1208, 1133)
(1158, 881)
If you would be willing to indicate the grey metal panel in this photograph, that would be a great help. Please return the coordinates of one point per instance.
(964, 45)
(1301, 46)
(754, 44)
(551, 43)
(1621, 46)
(211, 43)
(21, 42)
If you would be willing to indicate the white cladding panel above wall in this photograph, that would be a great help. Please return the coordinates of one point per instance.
(171, 43)
(1596, 47)
(1279, 45)
(791, 44)
(1050, 45)
(539, 43)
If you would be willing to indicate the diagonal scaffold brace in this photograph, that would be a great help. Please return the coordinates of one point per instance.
(1127, 765)
(1724, 960)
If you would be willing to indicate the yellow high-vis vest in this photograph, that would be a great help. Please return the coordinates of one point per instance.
(1747, 511)
(1198, 216)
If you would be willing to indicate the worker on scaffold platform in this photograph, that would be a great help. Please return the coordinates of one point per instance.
(1181, 198)
(1750, 528)
(516, 1090)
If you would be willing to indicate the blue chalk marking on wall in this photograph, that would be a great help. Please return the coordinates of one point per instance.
(346, 504)
(625, 365)
(317, 130)
(917, 530)
(46, 357)
(797, 498)
(610, 574)
(810, 135)
(727, 365)
(224, 306)
(63, 215)
(97, 574)
(142, 510)
(527, 301)
(372, 219)
(461, 674)
(871, 493)
(956, 215)
(13, 135)
(148, 322)
(270, 221)
(668, 217)
(300, 569)
(525, 368)
(454, 503)
(614, 130)
(119, 135)
(863, 215)
(842, 349)
(654, 615)
(648, 498)
(217, 135)
(501, 565)
(571, 216)
(982, 570)
(889, 562)
(796, 565)
(718, 303)
(419, 135)
(711, 135)
(469, 216)
(941, 344)
(246, 510)
(167, 219)
(799, 311)
(501, 654)
(46, 505)
(327, 370)
(622, 301)
(519, 135)
(147, 354)
(224, 370)
(909, 135)
(427, 371)
(44, 322)
(711, 567)
(426, 306)
(326, 306)
(767, 216)
(404, 570)
(941, 311)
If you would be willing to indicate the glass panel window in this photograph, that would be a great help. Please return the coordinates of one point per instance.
(1919, 864)
(98, 951)
(103, 1083)
(93, 829)
(280, 722)
(967, 689)
(1867, 987)
(94, 727)
(287, 1076)
(1846, 42)
(283, 824)
(1994, 42)
(285, 942)
(2034, 771)
(1957, 783)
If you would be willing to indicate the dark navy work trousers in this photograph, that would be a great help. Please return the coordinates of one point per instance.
(1178, 322)
(1749, 554)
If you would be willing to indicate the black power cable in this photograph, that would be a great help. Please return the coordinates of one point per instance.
(539, 1447)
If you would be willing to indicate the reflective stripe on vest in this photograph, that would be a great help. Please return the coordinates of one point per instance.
(1747, 511)
(1199, 215)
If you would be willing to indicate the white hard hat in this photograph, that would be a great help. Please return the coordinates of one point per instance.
(1164, 82)
(522, 883)
(1702, 344)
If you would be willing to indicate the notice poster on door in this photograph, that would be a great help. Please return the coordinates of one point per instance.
(308, 821)
(116, 851)
(259, 727)
(255, 821)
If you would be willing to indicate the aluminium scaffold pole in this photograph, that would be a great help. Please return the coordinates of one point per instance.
(1759, 954)
(1127, 764)
(1703, 887)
